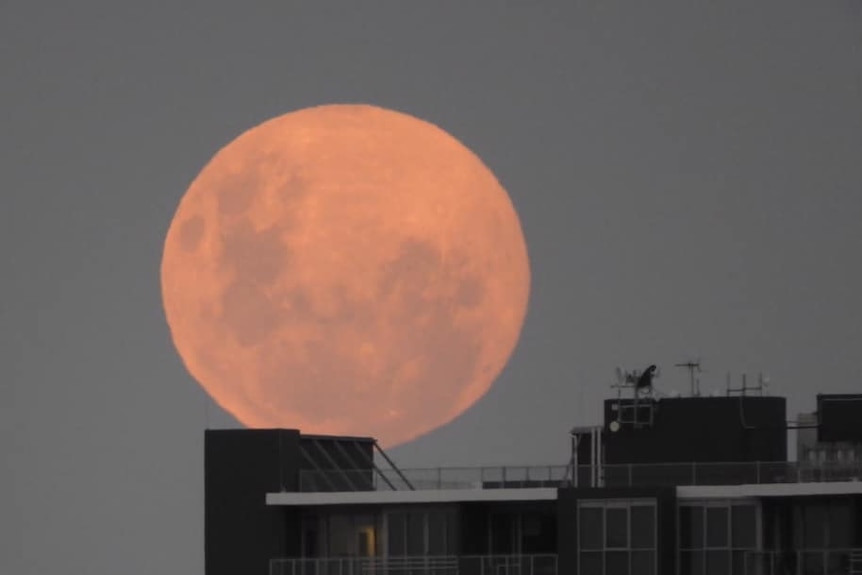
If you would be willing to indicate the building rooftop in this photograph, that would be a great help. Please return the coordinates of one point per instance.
(644, 441)
(687, 486)
(554, 476)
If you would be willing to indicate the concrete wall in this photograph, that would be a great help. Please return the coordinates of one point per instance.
(701, 429)
(241, 532)
(839, 416)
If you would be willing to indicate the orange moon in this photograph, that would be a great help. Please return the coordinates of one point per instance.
(345, 269)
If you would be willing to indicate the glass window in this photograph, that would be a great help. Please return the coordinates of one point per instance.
(538, 534)
(743, 526)
(616, 528)
(814, 520)
(415, 533)
(365, 542)
(340, 535)
(837, 562)
(643, 527)
(718, 535)
(419, 532)
(451, 533)
(591, 563)
(691, 527)
(691, 563)
(590, 527)
(841, 525)
(616, 562)
(738, 560)
(313, 536)
(643, 563)
(366, 535)
(717, 562)
(531, 525)
(437, 534)
(396, 528)
(503, 528)
(617, 537)
(309, 543)
(716, 526)
(813, 563)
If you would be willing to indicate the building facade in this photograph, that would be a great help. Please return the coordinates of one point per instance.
(689, 486)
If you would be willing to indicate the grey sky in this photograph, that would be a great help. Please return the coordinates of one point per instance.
(688, 176)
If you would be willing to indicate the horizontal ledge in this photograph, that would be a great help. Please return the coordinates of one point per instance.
(769, 490)
(419, 496)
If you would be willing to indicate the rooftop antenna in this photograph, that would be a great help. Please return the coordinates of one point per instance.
(693, 366)
(759, 388)
(641, 385)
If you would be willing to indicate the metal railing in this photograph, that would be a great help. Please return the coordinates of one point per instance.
(539, 564)
(545, 564)
(440, 478)
(624, 475)
(804, 562)
(364, 566)
(754, 472)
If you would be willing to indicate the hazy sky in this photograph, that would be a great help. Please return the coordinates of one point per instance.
(689, 181)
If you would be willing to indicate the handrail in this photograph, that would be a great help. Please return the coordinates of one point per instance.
(775, 562)
(531, 564)
(392, 466)
(856, 562)
(617, 475)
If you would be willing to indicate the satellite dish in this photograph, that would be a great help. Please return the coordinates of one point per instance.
(614, 426)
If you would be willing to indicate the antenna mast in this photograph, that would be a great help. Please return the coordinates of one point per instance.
(692, 367)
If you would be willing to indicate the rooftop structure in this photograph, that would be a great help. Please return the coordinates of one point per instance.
(673, 485)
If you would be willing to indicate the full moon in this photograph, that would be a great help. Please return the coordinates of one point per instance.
(345, 269)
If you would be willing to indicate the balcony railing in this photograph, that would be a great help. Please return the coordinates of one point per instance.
(804, 562)
(418, 565)
(755, 472)
(633, 475)
(436, 478)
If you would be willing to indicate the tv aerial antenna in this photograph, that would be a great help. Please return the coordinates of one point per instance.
(641, 385)
(693, 367)
(639, 381)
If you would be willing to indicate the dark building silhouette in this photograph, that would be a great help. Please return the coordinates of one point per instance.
(241, 531)
(840, 417)
(687, 485)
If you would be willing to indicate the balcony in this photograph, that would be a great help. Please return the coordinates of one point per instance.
(420, 565)
(436, 478)
(805, 562)
(626, 475)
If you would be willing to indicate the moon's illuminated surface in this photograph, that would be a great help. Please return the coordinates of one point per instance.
(345, 269)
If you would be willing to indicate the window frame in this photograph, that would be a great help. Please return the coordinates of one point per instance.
(727, 504)
(617, 504)
(450, 535)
